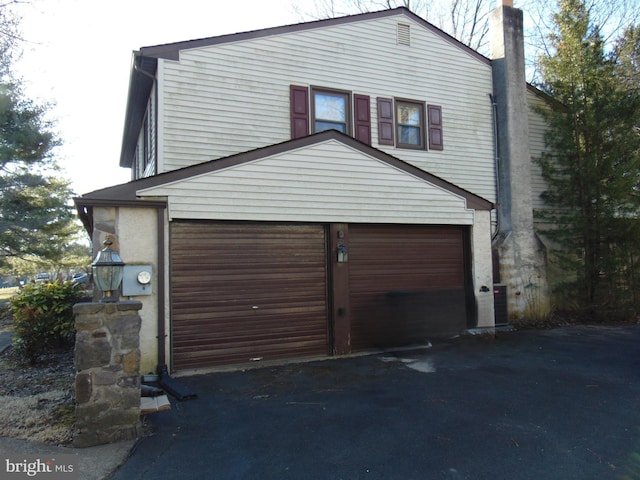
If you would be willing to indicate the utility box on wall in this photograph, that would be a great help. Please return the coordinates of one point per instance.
(136, 280)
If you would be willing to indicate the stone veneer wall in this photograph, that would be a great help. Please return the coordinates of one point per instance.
(107, 359)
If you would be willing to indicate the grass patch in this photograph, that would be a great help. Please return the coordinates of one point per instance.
(38, 417)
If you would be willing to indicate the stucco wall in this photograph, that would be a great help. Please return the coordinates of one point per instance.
(482, 268)
(134, 230)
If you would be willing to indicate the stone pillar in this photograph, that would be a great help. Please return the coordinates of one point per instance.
(107, 359)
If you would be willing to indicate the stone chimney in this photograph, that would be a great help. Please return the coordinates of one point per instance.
(520, 255)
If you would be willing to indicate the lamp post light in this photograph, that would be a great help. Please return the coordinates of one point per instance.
(107, 272)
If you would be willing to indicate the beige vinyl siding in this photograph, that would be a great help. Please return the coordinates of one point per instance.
(537, 128)
(229, 98)
(327, 182)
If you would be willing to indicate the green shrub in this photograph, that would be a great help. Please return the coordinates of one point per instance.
(43, 317)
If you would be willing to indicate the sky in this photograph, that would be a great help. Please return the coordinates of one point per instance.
(77, 57)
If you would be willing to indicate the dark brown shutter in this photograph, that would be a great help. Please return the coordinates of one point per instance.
(385, 121)
(362, 110)
(299, 111)
(434, 114)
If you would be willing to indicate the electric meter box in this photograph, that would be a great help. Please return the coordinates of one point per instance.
(136, 280)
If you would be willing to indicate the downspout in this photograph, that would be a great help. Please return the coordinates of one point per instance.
(166, 382)
(496, 159)
(173, 387)
(140, 70)
(162, 335)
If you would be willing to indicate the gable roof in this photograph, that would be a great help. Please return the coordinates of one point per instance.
(145, 61)
(127, 194)
(171, 51)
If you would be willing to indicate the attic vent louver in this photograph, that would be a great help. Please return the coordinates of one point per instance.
(404, 34)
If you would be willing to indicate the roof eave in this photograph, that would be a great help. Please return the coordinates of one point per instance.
(141, 79)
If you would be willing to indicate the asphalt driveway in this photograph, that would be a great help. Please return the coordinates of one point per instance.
(557, 404)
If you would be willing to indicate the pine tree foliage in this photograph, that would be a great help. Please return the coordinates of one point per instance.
(36, 219)
(593, 173)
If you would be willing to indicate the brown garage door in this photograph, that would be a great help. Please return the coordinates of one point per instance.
(243, 292)
(407, 284)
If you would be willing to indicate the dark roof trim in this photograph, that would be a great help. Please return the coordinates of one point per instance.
(171, 51)
(125, 194)
(141, 79)
(109, 202)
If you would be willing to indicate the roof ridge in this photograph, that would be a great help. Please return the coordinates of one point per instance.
(171, 51)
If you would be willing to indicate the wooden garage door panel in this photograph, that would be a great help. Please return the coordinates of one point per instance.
(407, 284)
(247, 291)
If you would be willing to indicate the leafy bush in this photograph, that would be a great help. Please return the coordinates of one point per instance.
(43, 317)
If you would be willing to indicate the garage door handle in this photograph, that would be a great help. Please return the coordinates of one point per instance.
(255, 307)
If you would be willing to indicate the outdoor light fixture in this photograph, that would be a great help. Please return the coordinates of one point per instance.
(343, 253)
(107, 272)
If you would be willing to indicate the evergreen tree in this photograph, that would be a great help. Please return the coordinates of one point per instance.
(594, 167)
(36, 219)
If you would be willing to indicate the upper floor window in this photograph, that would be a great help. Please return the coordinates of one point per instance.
(410, 124)
(331, 111)
(318, 109)
(403, 124)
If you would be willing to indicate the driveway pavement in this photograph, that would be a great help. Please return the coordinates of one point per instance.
(559, 404)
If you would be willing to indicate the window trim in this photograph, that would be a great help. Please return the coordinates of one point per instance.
(346, 94)
(397, 124)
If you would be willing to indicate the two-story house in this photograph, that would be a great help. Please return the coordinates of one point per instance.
(315, 189)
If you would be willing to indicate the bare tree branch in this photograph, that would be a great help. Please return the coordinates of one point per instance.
(467, 20)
